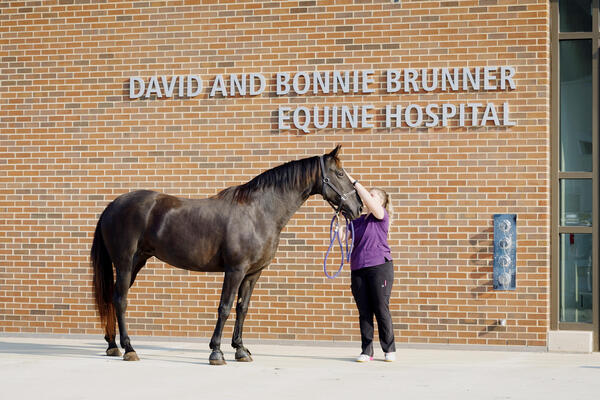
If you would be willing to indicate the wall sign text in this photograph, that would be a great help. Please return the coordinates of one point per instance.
(321, 85)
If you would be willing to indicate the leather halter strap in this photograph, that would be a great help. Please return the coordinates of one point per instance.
(327, 181)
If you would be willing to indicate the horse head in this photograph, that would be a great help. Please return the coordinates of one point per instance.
(337, 189)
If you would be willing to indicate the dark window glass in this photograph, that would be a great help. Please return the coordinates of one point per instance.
(576, 105)
(575, 15)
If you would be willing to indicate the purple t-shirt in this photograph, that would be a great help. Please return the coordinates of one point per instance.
(370, 241)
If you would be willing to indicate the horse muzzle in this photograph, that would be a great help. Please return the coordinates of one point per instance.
(351, 212)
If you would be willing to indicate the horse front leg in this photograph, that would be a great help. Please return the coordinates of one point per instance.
(231, 283)
(244, 293)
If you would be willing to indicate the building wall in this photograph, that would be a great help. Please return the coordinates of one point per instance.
(72, 140)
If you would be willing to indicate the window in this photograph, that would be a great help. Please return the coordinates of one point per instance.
(575, 127)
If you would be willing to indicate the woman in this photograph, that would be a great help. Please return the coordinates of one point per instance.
(373, 272)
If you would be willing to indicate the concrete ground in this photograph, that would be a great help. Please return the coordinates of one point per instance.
(59, 368)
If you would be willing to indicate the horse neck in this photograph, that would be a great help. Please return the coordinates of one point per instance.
(283, 204)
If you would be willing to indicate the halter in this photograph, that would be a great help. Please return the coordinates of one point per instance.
(334, 232)
(326, 181)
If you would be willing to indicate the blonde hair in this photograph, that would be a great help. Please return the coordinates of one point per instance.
(387, 201)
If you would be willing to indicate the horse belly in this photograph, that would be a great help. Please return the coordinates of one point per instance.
(190, 249)
(189, 261)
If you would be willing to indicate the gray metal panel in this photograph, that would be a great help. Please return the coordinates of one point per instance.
(505, 251)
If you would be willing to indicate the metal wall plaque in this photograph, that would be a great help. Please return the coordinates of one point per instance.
(505, 251)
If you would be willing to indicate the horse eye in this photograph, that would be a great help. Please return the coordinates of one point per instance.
(339, 173)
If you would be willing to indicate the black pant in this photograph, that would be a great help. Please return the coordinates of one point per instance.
(371, 288)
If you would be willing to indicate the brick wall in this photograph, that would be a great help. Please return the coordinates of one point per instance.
(72, 140)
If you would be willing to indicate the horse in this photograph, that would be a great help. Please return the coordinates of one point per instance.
(235, 232)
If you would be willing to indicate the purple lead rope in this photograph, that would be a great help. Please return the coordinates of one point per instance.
(335, 234)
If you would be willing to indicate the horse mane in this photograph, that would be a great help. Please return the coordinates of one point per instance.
(292, 175)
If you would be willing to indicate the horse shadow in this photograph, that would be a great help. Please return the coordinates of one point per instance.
(254, 353)
(89, 350)
(95, 351)
(53, 350)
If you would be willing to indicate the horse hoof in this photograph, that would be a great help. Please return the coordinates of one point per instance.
(243, 355)
(113, 352)
(216, 358)
(131, 356)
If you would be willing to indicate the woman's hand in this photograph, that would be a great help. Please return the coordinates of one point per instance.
(372, 203)
(350, 177)
(342, 232)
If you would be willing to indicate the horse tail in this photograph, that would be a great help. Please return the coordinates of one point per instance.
(104, 284)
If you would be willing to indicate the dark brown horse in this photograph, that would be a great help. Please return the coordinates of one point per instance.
(235, 232)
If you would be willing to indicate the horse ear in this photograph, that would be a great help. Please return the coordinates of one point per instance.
(335, 151)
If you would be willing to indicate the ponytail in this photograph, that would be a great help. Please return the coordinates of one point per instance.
(387, 202)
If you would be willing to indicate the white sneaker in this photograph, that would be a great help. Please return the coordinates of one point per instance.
(364, 358)
(389, 357)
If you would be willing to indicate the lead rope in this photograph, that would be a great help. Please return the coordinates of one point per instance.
(334, 233)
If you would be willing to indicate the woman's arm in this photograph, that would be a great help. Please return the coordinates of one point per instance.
(371, 202)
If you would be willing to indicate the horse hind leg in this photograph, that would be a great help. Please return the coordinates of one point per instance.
(139, 260)
(124, 275)
(111, 333)
(120, 302)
